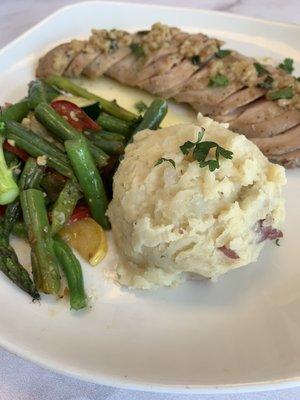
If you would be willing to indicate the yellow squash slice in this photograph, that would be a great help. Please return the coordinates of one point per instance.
(88, 238)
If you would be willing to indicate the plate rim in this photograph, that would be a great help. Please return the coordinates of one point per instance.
(119, 381)
(148, 5)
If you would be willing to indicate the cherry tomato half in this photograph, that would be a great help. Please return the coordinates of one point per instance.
(75, 115)
(80, 212)
(15, 150)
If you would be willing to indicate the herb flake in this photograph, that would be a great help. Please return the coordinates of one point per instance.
(285, 93)
(141, 106)
(260, 69)
(187, 146)
(277, 242)
(162, 159)
(267, 83)
(222, 53)
(137, 49)
(287, 65)
(202, 149)
(218, 81)
(196, 60)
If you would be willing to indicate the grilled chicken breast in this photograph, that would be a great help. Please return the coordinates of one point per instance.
(260, 101)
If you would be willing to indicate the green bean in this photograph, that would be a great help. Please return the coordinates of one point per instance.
(37, 146)
(36, 93)
(110, 107)
(89, 179)
(35, 126)
(73, 273)
(11, 159)
(55, 123)
(113, 124)
(39, 92)
(51, 92)
(19, 230)
(13, 163)
(15, 112)
(116, 137)
(35, 141)
(32, 175)
(154, 115)
(65, 204)
(36, 271)
(64, 131)
(53, 183)
(11, 267)
(109, 146)
(40, 239)
(12, 213)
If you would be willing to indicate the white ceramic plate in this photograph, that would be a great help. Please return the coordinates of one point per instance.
(242, 333)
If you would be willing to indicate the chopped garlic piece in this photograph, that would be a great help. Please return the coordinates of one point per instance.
(11, 142)
(41, 160)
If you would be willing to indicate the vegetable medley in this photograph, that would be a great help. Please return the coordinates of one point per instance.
(56, 166)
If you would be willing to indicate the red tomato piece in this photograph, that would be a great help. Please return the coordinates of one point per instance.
(15, 150)
(80, 212)
(75, 115)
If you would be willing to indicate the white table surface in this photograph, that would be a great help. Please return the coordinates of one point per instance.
(22, 380)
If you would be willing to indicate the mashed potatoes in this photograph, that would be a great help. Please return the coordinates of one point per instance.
(168, 221)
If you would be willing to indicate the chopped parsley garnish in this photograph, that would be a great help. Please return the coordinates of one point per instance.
(260, 69)
(285, 93)
(287, 65)
(141, 106)
(137, 49)
(267, 83)
(187, 146)
(222, 53)
(277, 242)
(162, 159)
(202, 149)
(218, 81)
(196, 60)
